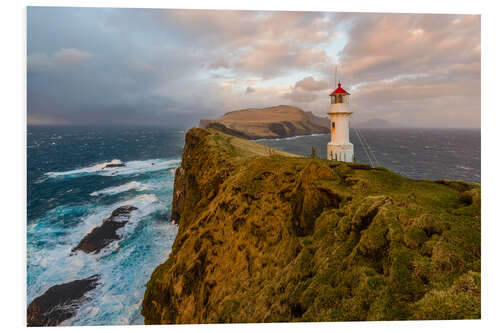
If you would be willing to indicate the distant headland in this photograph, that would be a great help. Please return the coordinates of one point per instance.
(274, 122)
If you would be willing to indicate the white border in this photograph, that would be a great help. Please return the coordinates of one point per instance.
(13, 140)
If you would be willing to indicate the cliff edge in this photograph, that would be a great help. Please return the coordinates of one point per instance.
(265, 236)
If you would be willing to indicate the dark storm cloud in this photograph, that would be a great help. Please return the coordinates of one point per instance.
(84, 70)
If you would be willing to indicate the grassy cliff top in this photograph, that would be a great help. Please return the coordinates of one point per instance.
(240, 148)
(267, 236)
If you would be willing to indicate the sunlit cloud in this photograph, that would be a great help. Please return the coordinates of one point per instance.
(175, 66)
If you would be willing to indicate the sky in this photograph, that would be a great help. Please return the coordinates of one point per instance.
(165, 67)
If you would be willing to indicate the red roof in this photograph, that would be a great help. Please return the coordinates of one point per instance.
(339, 90)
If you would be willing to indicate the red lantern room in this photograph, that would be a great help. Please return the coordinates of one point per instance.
(339, 95)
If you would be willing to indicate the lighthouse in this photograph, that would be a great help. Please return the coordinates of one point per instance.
(339, 148)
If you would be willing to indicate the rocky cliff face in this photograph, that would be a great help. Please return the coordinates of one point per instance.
(268, 237)
(268, 123)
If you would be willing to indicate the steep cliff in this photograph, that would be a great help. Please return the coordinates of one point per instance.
(268, 123)
(268, 237)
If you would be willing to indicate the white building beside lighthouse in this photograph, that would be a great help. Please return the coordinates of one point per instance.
(339, 148)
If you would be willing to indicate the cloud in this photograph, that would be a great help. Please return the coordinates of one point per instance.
(220, 63)
(386, 45)
(237, 28)
(274, 59)
(266, 44)
(414, 66)
(299, 96)
(249, 90)
(70, 57)
(140, 66)
(309, 84)
(65, 57)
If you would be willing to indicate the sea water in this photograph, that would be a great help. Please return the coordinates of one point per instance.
(414, 153)
(69, 193)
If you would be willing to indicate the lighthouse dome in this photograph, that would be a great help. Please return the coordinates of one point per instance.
(339, 91)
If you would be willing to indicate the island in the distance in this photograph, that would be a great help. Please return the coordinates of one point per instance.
(274, 122)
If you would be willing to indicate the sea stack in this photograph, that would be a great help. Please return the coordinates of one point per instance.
(339, 148)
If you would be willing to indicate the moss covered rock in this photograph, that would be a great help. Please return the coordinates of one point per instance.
(265, 236)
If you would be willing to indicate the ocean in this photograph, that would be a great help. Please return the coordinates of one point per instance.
(69, 193)
(414, 153)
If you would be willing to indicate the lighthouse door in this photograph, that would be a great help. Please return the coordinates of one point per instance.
(333, 130)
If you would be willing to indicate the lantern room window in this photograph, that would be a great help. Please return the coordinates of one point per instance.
(338, 99)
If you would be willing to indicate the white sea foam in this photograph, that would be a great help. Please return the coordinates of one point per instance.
(123, 269)
(134, 185)
(301, 136)
(292, 137)
(130, 168)
(53, 264)
(145, 204)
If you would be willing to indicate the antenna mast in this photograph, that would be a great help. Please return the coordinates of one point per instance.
(335, 77)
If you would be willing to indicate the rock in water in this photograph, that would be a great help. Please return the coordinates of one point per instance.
(101, 236)
(60, 302)
(113, 164)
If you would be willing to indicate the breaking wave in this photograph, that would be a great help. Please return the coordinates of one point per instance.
(133, 185)
(129, 168)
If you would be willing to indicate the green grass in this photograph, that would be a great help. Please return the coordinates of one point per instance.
(288, 238)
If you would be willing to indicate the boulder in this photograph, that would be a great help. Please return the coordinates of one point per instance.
(60, 302)
(103, 235)
(113, 165)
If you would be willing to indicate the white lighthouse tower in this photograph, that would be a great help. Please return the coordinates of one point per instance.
(339, 148)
